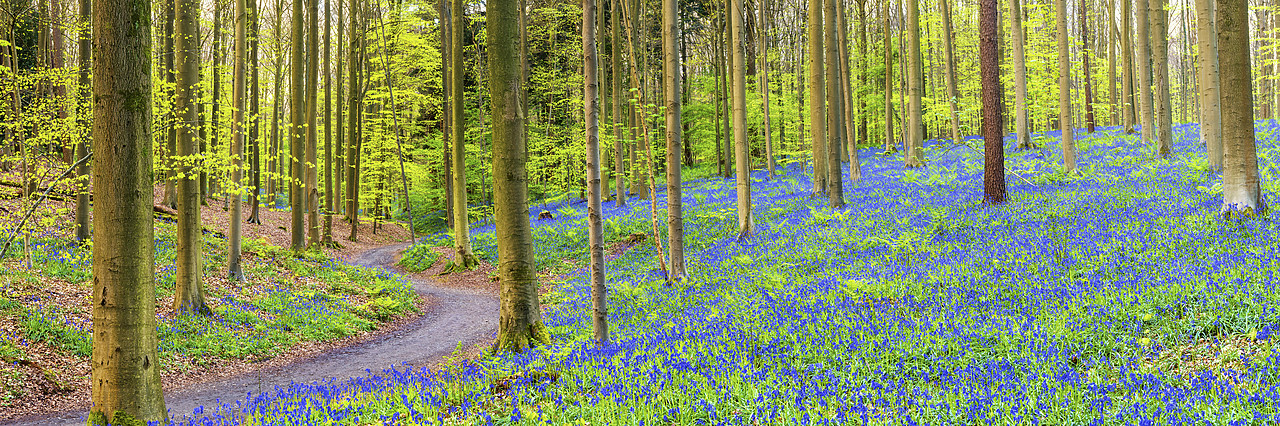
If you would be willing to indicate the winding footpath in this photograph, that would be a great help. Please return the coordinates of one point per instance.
(457, 316)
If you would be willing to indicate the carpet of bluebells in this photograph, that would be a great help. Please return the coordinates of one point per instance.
(1116, 296)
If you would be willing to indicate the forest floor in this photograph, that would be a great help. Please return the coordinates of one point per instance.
(288, 309)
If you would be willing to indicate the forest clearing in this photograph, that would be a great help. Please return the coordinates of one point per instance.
(626, 212)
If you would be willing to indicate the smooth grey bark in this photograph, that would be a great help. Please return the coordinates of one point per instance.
(1022, 133)
(1210, 88)
(1241, 186)
(595, 227)
(1064, 90)
(671, 84)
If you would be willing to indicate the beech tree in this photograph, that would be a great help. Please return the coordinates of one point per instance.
(125, 368)
(1064, 90)
(835, 110)
(1160, 64)
(520, 322)
(1021, 134)
(1241, 187)
(742, 163)
(817, 97)
(238, 89)
(595, 227)
(671, 84)
(188, 291)
(914, 144)
(463, 257)
(1210, 106)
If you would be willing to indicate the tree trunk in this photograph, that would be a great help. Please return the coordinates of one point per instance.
(1210, 88)
(273, 151)
(353, 120)
(327, 232)
(763, 84)
(846, 99)
(1113, 117)
(889, 144)
(1088, 70)
(463, 256)
(84, 109)
(1241, 192)
(1021, 133)
(742, 162)
(234, 271)
(188, 291)
(170, 191)
(520, 322)
(1064, 89)
(1126, 53)
(1146, 112)
(1160, 61)
(835, 110)
(619, 100)
(671, 78)
(817, 97)
(915, 85)
(310, 190)
(297, 129)
(953, 95)
(125, 368)
(595, 227)
(254, 122)
(993, 185)
(216, 74)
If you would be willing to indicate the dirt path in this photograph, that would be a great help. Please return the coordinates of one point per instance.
(456, 316)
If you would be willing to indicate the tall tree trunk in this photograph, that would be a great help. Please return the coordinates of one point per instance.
(354, 138)
(817, 97)
(1064, 90)
(953, 95)
(742, 162)
(297, 129)
(125, 368)
(993, 185)
(1146, 112)
(170, 191)
(1113, 117)
(273, 150)
(1088, 70)
(847, 127)
(1160, 63)
(763, 84)
(1210, 88)
(520, 322)
(595, 227)
(327, 232)
(619, 100)
(860, 106)
(234, 271)
(310, 190)
(84, 107)
(463, 256)
(188, 291)
(1126, 53)
(1241, 191)
(915, 87)
(1022, 133)
(339, 146)
(835, 110)
(889, 144)
(216, 74)
(254, 121)
(671, 80)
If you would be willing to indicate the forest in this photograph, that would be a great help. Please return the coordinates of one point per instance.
(674, 212)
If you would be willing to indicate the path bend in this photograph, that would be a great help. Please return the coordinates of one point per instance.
(457, 316)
